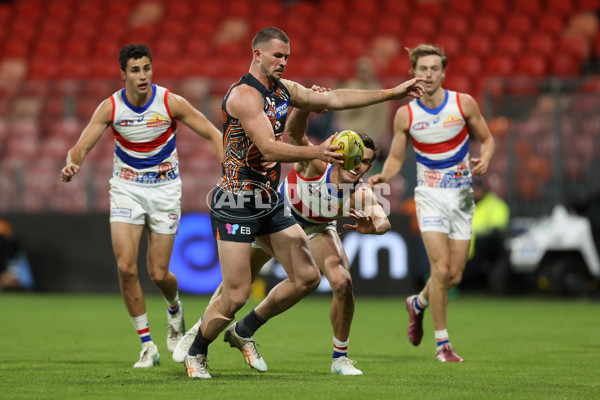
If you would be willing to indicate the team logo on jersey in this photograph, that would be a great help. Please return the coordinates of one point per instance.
(432, 177)
(173, 216)
(156, 121)
(453, 120)
(419, 126)
(124, 122)
(128, 174)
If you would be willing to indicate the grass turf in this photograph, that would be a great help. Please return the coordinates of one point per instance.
(57, 346)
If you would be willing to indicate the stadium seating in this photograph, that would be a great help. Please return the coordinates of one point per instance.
(58, 57)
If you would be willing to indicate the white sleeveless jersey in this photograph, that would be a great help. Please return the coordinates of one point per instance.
(441, 142)
(314, 201)
(145, 150)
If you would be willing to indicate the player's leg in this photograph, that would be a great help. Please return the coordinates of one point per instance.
(234, 258)
(333, 261)
(160, 247)
(125, 241)
(292, 249)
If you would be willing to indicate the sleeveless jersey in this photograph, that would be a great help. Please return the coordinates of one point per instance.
(145, 150)
(244, 167)
(314, 201)
(441, 142)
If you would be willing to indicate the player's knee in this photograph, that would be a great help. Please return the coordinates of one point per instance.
(235, 299)
(341, 284)
(159, 277)
(455, 280)
(127, 271)
(309, 280)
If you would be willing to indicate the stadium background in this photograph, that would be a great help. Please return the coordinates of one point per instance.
(532, 65)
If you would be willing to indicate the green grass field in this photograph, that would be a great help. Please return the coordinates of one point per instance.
(83, 346)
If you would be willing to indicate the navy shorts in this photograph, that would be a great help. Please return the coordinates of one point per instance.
(238, 218)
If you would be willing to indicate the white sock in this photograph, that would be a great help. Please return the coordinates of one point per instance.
(173, 304)
(441, 338)
(340, 349)
(141, 326)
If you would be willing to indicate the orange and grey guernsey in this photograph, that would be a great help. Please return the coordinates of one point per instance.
(244, 167)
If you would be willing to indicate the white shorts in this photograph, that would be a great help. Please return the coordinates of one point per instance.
(158, 207)
(311, 231)
(446, 210)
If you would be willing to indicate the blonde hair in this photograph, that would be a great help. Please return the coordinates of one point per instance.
(426, 50)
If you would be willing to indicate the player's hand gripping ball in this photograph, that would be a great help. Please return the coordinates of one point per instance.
(352, 147)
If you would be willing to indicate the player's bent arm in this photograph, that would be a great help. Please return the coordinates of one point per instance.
(186, 113)
(479, 128)
(296, 130)
(246, 104)
(100, 120)
(343, 99)
(395, 159)
(370, 217)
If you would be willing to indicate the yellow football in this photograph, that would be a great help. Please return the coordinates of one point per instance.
(352, 147)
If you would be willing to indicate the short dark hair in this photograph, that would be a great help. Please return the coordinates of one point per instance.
(135, 51)
(370, 144)
(268, 33)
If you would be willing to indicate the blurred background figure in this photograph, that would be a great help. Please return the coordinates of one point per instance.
(15, 272)
(490, 228)
(374, 119)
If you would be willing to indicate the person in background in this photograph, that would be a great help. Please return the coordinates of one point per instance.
(15, 271)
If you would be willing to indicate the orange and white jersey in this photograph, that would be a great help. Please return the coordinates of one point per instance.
(145, 150)
(441, 142)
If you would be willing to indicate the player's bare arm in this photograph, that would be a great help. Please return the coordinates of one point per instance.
(367, 212)
(100, 120)
(296, 130)
(186, 113)
(343, 99)
(395, 159)
(246, 104)
(479, 128)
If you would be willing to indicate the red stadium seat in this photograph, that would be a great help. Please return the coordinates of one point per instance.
(397, 67)
(468, 66)
(499, 65)
(562, 7)
(550, 23)
(576, 45)
(454, 25)
(564, 64)
(541, 43)
(479, 45)
(422, 25)
(463, 7)
(532, 65)
(495, 7)
(353, 46)
(451, 45)
(486, 24)
(509, 44)
(531, 8)
(458, 83)
(592, 5)
(518, 24)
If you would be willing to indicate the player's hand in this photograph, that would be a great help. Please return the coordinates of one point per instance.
(479, 166)
(375, 179)
(364, 222)
(327, 151)
(410, 88)
(320, 89)
(68, 172)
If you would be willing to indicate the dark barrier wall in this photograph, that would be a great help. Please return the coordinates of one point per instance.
(73, 254)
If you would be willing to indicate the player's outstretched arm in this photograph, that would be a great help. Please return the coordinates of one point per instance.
(246, 104)
(186, 113)
(395, 158)
(369, 215)
(89, 137)
(479, 128)
(343, 99)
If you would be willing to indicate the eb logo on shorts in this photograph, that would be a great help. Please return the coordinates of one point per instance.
(120, 212)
